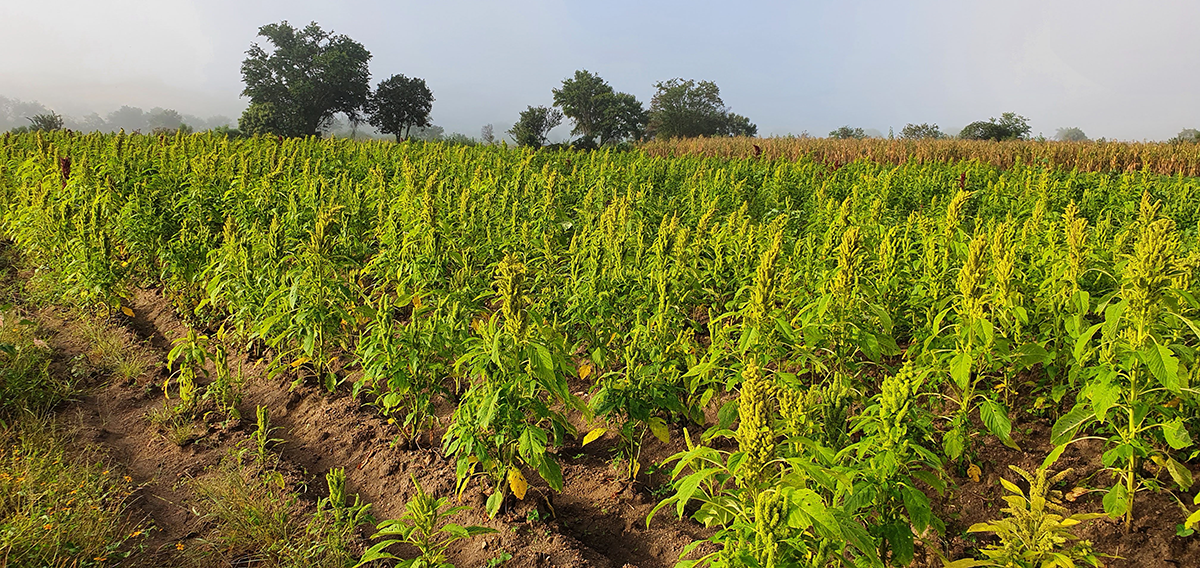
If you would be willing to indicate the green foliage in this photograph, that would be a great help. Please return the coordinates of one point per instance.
(398, 104)
(923, 131)
(423, 526)
(1070, 134)
(601, 115)
(847, 133)
(26, 384)
(255, 514)
(688, 108)
(534, 125)
(60, 505)
(45, 122)
(308, 76)
(506, 282)
(1010, 126)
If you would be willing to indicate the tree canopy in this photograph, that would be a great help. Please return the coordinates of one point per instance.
(601, 115)
(399, 104)
(535, 124)
(1070, 134)
(1010, 126)
(847, 133)
(309, 76)
(687, 108)
(921, 131)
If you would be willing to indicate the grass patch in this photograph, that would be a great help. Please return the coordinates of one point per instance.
(26, 384)
(258, 520)
(59, 504)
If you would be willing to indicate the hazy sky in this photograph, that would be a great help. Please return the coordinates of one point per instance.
(1118, 69)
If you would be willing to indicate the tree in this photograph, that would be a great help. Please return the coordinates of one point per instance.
(1187, 135)
(127, 118)
(847, 133)
(600, 114)
(684, 109)
(309, 76)
(45, 122)
(535, 124)
(921, 131)
(1070, 134)
(164, 119)
(487, 134)
(1010, 126)
(398, 104)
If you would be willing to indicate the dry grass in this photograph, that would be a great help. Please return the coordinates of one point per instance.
(1156, 157)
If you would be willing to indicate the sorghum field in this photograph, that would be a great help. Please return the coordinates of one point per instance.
(722, 355)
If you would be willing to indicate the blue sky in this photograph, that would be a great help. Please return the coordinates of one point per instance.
(1123, 70)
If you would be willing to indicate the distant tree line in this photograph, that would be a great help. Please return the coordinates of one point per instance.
(25, 115)
(601, 116)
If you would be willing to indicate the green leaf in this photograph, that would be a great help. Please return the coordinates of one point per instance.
(960, 370)
(552, 473)
(952, 443)
(1031, 354)
(814, 507)
(376, 553)
(1163, 365)
(1116, 501)
(1065, 427)
(727, 414)
(1180, 473)
(688, 485)
(1103, 395)
(493, 503)
(900, 539)
(1082, 341)
(996, 420)
(917, 504)
(1176, 434)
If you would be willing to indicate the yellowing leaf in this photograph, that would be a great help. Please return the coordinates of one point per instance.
(416, 301)
(125, 310)
(1076, 493)
(658, 427)
(300, 361)
(973, 472)
(585, 370)
(516, 481)
(593, 435)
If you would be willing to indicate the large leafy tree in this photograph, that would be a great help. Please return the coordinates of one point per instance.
(1010, 126)
(308, 76)
(687, 108)
(601, 115)
(399, 104)
(923, 131)
(535, 124)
